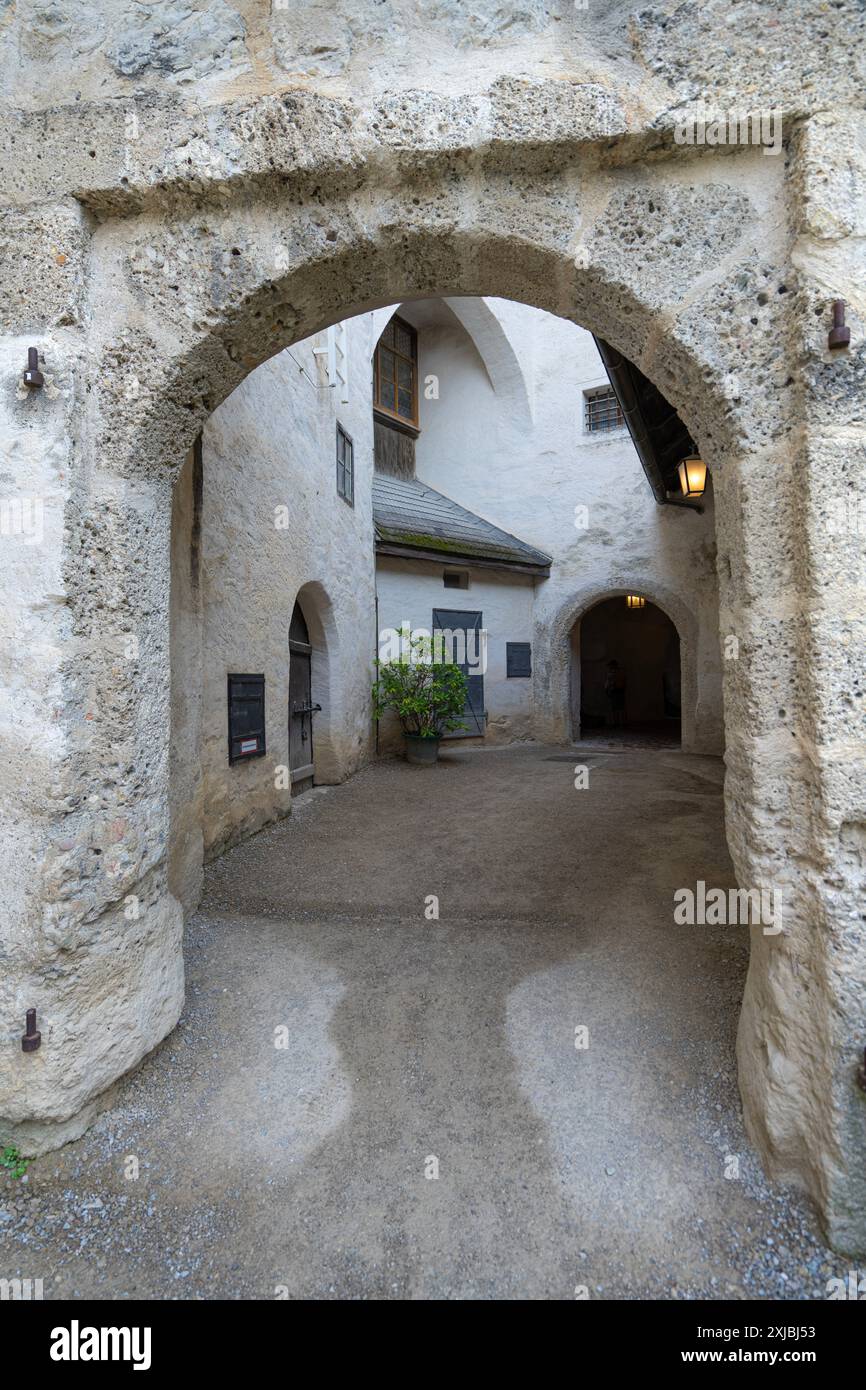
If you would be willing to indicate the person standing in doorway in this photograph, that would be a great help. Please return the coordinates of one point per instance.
(614, 689)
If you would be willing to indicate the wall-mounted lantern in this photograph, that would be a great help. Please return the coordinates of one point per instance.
(693, 476)
(634, 601)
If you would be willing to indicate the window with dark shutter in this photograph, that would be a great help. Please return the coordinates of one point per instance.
(518, 659)
(246, 701)
(345, 466)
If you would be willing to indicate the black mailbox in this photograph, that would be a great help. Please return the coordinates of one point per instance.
(246, 699)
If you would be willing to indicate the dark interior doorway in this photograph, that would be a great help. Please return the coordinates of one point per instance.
(626, 664)
(301, 707)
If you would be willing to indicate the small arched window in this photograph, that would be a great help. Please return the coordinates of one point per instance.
(395, 373)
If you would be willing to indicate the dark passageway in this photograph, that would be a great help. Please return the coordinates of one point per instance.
(626, 672)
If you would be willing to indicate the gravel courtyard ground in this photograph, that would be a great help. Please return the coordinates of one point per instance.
(339, 1047)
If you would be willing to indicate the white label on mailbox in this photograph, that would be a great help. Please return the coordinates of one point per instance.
(249, 745)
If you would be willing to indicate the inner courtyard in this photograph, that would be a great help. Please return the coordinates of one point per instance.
(531, 1093)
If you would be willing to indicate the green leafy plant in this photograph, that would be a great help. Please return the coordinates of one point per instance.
(11, 1160)
(427, 693)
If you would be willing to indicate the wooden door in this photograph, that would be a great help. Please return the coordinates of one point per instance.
(301, 707)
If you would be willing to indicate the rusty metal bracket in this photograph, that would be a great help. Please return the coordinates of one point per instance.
(839, 336)
(33, 376)
(32, 1038)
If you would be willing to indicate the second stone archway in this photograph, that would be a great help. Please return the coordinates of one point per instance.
(702, 722)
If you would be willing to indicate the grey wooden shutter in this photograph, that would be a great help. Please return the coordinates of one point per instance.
(518, 659)
(454, 620)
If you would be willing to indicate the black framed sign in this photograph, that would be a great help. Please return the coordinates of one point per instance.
(246, 702)
(518, 659)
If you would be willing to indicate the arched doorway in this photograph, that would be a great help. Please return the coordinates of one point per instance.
(626, 676)
(702, 727)
(301, 706)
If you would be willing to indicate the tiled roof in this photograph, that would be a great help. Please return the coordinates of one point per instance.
(410, 515)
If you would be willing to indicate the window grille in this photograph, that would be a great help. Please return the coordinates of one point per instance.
(602, 411)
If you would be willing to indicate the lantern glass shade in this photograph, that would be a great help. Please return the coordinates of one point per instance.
(634, 601)
(693, 476)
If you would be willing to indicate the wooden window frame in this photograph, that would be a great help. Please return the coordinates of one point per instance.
(385, 412)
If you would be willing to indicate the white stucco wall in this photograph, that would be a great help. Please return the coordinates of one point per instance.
(270, 446)
(409, 590)
(520, 457)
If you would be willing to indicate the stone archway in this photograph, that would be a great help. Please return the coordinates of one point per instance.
(555, 675)
(188, 281)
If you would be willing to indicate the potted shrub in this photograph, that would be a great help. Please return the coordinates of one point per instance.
(427, 694)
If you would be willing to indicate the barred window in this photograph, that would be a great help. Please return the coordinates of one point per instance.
(345, 466)
(602, 411)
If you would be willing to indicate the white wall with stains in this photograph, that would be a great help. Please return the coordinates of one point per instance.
(273, 529)
(506, 438)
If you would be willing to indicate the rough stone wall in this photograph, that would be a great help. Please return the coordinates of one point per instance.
(162, 235)
(211, 50)
(188, 658)
(798, 786)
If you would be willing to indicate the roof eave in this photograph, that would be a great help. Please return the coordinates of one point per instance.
(535, 569)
